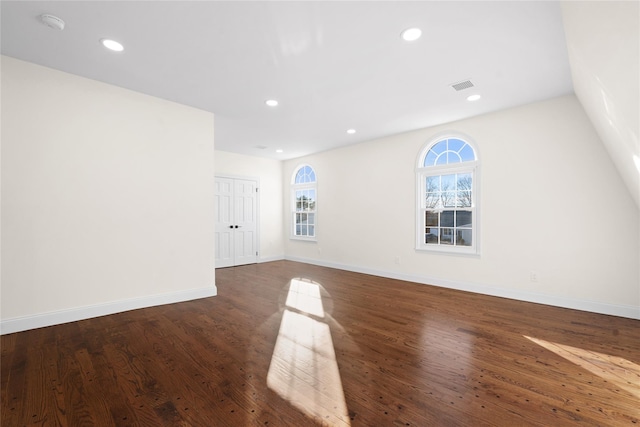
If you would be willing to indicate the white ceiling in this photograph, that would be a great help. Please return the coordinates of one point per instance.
(331, 65)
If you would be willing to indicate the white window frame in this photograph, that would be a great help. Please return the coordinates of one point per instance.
(422, 172)
(297, 187)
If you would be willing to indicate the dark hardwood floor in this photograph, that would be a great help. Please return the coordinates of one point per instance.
(291, 344)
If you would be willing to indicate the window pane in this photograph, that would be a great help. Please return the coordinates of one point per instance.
(455, 144)
(303, 230)
(463, 219)
(449, 182)
(312, 230)
(449, 199)
(463, 237)
(433, 183)
(464, 199)
(297, 224)
(311, 219)
(432, 200)
(298, 200)
(442, 159)
(446, 219)
(453, 157)
(467, 154)
(432, 219)
(431, 235)
(464, 181)
(311, 194)
(430, 159)
(446, 236)
(440, 147)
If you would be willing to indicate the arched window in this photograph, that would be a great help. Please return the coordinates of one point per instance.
(447, 196)
(304, 203)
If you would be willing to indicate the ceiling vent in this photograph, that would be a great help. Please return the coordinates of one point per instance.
(462, 85)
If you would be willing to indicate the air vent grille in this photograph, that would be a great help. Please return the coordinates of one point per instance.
(462, 85)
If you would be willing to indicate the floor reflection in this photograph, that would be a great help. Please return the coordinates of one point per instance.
(617, 370)
(303, 368)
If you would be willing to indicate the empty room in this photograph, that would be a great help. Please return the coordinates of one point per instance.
(305, 213)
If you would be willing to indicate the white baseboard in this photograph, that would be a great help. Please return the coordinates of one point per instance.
(629, 311)
(19, 324)
(271, 258)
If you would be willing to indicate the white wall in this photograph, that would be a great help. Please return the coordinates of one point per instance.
(603, 42)
(551, 202)
(107, 198)
(269, 172)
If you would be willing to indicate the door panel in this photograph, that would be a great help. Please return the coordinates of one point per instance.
(236, 222)
(245, 197)
(224, 222)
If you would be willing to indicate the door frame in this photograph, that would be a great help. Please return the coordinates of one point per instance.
(257, 180)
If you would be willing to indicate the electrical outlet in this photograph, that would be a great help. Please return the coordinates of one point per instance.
(533, 276)
(397, 260)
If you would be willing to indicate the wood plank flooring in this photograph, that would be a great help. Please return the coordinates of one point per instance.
(291, 344)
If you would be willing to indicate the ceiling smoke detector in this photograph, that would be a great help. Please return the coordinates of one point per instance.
(52, 22)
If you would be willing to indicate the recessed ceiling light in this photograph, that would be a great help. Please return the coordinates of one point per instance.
(411, 34)
(351, 131)
(112, 45)
(473, 97)
(271, 102)
(279, 150)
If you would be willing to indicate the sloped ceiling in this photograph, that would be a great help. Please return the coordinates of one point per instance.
(603, 43)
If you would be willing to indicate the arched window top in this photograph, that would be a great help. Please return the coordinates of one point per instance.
(448, 151)
(305, 175)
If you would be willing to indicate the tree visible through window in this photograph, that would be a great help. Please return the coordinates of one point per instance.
(447, 196)
(303, 191)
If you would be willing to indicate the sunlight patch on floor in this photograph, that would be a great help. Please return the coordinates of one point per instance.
(303, 367)
(305, 297)
(617, 370)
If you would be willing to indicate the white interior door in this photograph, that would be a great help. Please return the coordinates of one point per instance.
(236, 221)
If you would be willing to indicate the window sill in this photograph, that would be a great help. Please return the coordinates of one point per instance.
(454, 250)
(303, 239)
